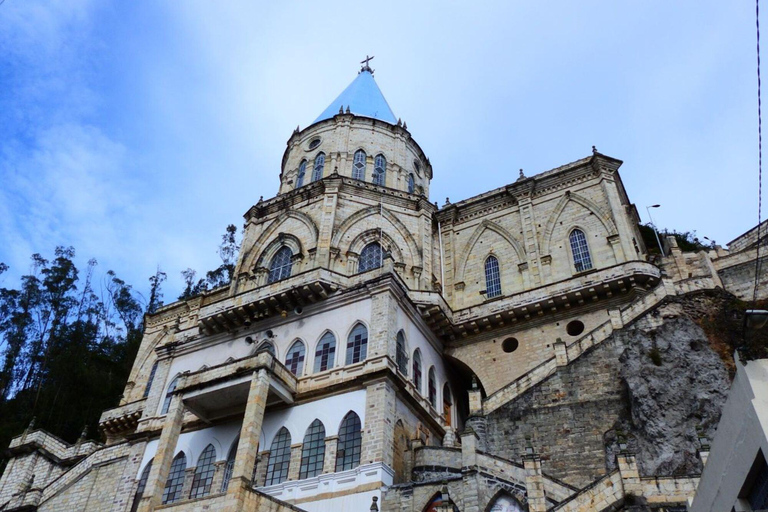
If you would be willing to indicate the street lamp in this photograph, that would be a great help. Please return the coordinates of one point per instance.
(655, 231)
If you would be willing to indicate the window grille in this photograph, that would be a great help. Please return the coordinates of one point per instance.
(175, 482)
(280, 266)
(432, 385)
(203, 478)
(302, 172)
(492, 277)
(150, 379)
(417, 370)
(411, 184)
(142, 485)
(325, 354)
(401, 356)
(358, 167)
(313, 451)
(370, 257)
(279, 457)
(357, 344)
(380, 170)
(317, 172)
(581, 259)
(229, 466)
(169, 395)
(294, 361)
(350, 442)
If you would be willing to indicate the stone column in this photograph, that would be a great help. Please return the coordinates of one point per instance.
(189, 476)
(534, 483)
(156, 392)
(381, 337)
(295, 462)
(260, 475)
(530, 235)
(161, 464)
(561, 352)
(242, 473)
(218, 476)
(379, 428)
(630, 475)
(329, 460)
(468, 448)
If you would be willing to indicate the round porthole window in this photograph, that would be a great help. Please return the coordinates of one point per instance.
(314, 144)
(575, 327)
(509, 345)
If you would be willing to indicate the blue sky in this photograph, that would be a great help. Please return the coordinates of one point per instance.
(136, 131)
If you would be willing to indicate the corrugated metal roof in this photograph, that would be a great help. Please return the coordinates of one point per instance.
(364, 98)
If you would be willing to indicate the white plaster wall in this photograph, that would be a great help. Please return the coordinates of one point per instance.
(351, 503)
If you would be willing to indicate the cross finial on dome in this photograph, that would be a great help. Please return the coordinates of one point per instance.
(365, 63)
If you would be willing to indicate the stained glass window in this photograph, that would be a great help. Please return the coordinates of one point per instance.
(417, 370)
(279, 457)
(302, 173)
(294, 361)
(370, 257)
(492, 277)
(317, 172)
(432, 385)
(175, 482)
(280, 266)
(350, 442)
(150, 379)
(325, 354)
(142, 485)
(581, 259)
(358, 167)
(357, 344)
(169, 395)
(411, 184)
(203, 477)
(313, 451)
(380, 170)
(401, 356)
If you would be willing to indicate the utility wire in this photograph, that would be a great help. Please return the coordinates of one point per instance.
(759, 158)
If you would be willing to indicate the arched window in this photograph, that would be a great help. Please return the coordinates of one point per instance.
(357, 344)
(317, 172)
(266, 346)
(370, 257)
(229, 466)
(411, 184)
(294, 360)
(203, 478)
(581, 259)
(350, 441)
(169, 395)
(401, 355)
(150, 379)
(325, 353)
(358, 167)
(280, 266)
(142, 485)
(447, 404)
(302, 173)
(279, 457)
(380, 170)
(175, 482)
(417, 370)
(492, 277)
(432, 387)
(505, 503)
(313, 451)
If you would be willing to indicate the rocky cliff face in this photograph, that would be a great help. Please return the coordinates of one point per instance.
(653, 383)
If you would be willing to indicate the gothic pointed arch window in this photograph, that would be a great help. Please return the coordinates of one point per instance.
(357, 344)
(175, 482)
(313, 451)
(370, 257)
(317, 170)
(432, 387)
(281, 264)
(279, 457)
(294, 360)
(580, 250)
(380, 170)
(401, 354)
(350, 442)
(169, 395)
(411, 184)
(203, 477)
(229, 466)
(301, 174)
(447, 405)
(417, 370)
(141, 487)
(150, 379)
(325, 353)
(492, 277)
(358, 165)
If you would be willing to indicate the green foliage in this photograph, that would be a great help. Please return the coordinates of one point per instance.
(65, 351)
(655, 356)
(220, 276)
(687, 241)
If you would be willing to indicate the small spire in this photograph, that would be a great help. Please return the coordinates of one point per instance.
(405, 125)
(447, 201)
(297, 129)
(594, 150)
(341, 109)
(365, 62)
(522, 175)
(374, 506)
(348, 111)
(399, 122)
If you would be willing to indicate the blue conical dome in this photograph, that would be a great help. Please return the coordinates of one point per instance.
(364, 98)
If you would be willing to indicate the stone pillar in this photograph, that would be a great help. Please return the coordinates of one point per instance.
(475, 399)
(247, 447)
(295, 462)
(126, 488)
(530, 235)
(260, 475)
(161, 464)
(381, 338)
(630, 475)
(327, 221)
(189, 476)
(218, 476)
(534, 483)
(619, 213)
(561, 352)
(468, 448)
(156, 392)
(616, 320)
(379, 428)
(329, 460)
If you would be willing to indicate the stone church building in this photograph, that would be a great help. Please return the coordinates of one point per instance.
(377, 352)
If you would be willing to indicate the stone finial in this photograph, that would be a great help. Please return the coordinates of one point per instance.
(341, 109)
(297, 129)
(594, 150)
(521, 176)
(83, 434)
(374, 506)
(405, 125)
(399, 122)
(474, 381)
(348, 111)
(447, 201)
(31, 425)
